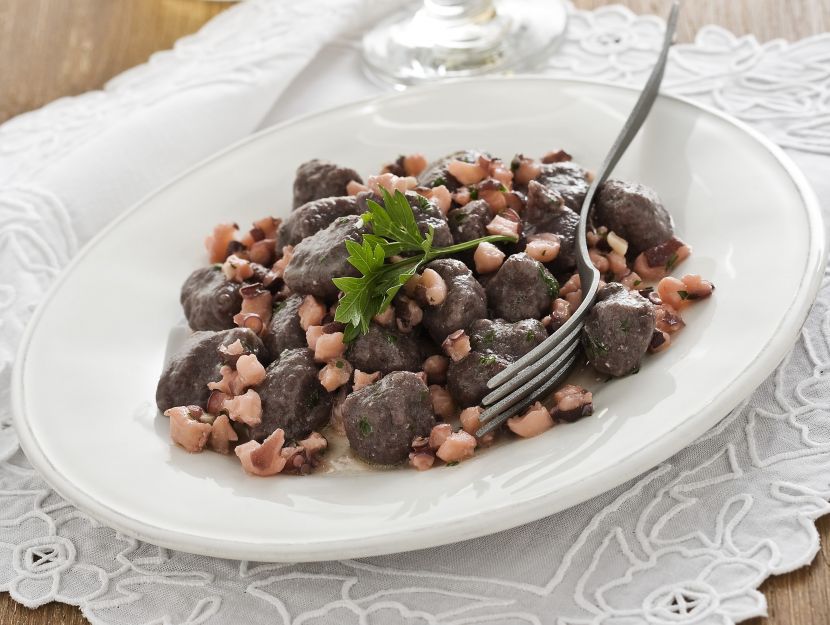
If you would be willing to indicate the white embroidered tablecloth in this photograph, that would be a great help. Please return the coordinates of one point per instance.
(688, 542)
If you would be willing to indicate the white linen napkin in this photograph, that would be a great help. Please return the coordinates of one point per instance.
(689, 541)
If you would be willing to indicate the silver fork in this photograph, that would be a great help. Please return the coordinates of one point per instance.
(538, 372)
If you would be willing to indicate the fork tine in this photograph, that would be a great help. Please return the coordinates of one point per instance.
(516, 374)
(543, 390)
(528, 388)
(553, 351)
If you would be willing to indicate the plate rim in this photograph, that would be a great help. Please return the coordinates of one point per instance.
(499, 518)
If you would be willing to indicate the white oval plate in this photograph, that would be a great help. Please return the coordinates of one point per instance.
(86, 374)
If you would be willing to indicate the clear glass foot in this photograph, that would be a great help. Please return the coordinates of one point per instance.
(458, 38)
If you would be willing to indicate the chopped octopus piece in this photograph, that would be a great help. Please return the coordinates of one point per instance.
(501, 225)
(222, 435)
(572, 403)
(335, 374)
(421, 460)
(217, 243)
(234, 349)
(391, 183)
(543, 247)
(263, 459)
(440, 195)
(228, 384)
(280, 266)
(431, 288)
(245, 408)
(354, 187)
(250, 371)
(314, 443)
(414, 164)
(312, 334)
(237, 269)
(657, 262)
(466, 173)
(526, 169)
(329, 347)
(386, 318)
(456, 345)
(457, 447)
(362, 379)
(439, 434)
(185, 428)
(488, 258)
(312, 312)
(536, 420)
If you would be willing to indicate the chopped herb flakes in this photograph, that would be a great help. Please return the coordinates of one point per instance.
(637, 282)
(391, 339)
(530, 335)
(594, 347)
(313, 399)
(439, 181)
(671, 262)
(625, 325)
(453, 463)
(487, 360)
(549, 280)
(488, 338)
(683, 294)
(339, 364)
(473, 193)
(364, 426)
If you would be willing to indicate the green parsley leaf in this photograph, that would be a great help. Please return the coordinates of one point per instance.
(395, 232)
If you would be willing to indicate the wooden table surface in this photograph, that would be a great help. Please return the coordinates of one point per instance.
(66, 47)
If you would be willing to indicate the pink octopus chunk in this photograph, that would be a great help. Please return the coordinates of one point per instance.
(421, 460)
(440, 195)
(505, 227)
(457, 447)
(311, 312)
(186, 431)
(439, 434)
(391, 183)
(466, 173)
(217, 243)
(362, 379)
(335, 374)
(263, 459)
(329, 347)
(535, 421)
(543, 247)
(312, 334)
(456, 345)
(222, 435)
(315, 443)
(279, 267)
(245, 408)
(488, 258)
(250, 370)
(227, 384)
(354, 187)
(237, 269)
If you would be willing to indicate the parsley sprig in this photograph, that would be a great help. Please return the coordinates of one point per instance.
(394, 233)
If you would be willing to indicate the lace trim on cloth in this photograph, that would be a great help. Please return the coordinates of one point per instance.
(688, 542)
